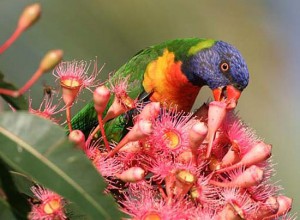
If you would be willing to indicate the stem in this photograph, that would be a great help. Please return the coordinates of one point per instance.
(27, 85)
(10, 40)
(229, 168)
(104, 120)
(101, 126)
(118, 147)
(9, 92)
(162, 192)
(210, 145)
(94, 132)
(170, 199)
(220, 184)
(31, 81)
(68, 115)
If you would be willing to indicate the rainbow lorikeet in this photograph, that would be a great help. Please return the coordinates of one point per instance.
(173, 73)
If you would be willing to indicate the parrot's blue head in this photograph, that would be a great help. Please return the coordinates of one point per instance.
(221, 67)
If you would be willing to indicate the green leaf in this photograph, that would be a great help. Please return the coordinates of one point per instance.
(18, 203)
(18, 103)
(39, 149)
(23, 183)
(6, 212)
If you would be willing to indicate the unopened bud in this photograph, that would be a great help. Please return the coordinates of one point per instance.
(232, 156)
(50, 60)
(131, 147)
(101, 97)
(78, 138)
(30, 15)
(132, 175)
(141, 129)
(258, 153)
(114, 110)
(266, 209)
(197, 134)
(252, 176)
(150, 111)
(216, 116)
(285, 205)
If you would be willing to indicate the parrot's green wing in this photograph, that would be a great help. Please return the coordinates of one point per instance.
(86, 119)
(135, 68)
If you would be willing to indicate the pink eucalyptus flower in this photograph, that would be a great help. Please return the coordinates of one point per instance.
(171, 132)
(50, 205)
(240, 201)
(74, 77)
(47, 109)
(160, 169)
(144, 203)
(120, 88)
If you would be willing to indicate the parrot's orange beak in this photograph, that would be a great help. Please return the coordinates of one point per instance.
(228, 94)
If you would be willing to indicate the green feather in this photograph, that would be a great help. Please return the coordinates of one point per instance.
(86, 119)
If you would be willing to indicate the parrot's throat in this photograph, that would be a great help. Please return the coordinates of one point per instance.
(168, 85)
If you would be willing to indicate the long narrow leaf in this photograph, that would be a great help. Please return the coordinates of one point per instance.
(40, 149)
(6, 210)
(19, 206)
(23, 183)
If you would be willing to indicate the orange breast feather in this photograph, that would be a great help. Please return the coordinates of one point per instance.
(169, 85)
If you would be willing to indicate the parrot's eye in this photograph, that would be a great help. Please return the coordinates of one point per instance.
(224, 67)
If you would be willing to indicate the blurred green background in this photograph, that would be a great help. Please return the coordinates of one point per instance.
(266, 33)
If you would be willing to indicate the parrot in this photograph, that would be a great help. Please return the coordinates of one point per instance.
(172, 73)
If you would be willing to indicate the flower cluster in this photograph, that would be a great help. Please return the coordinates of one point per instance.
(161, 168)
(177, 165)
